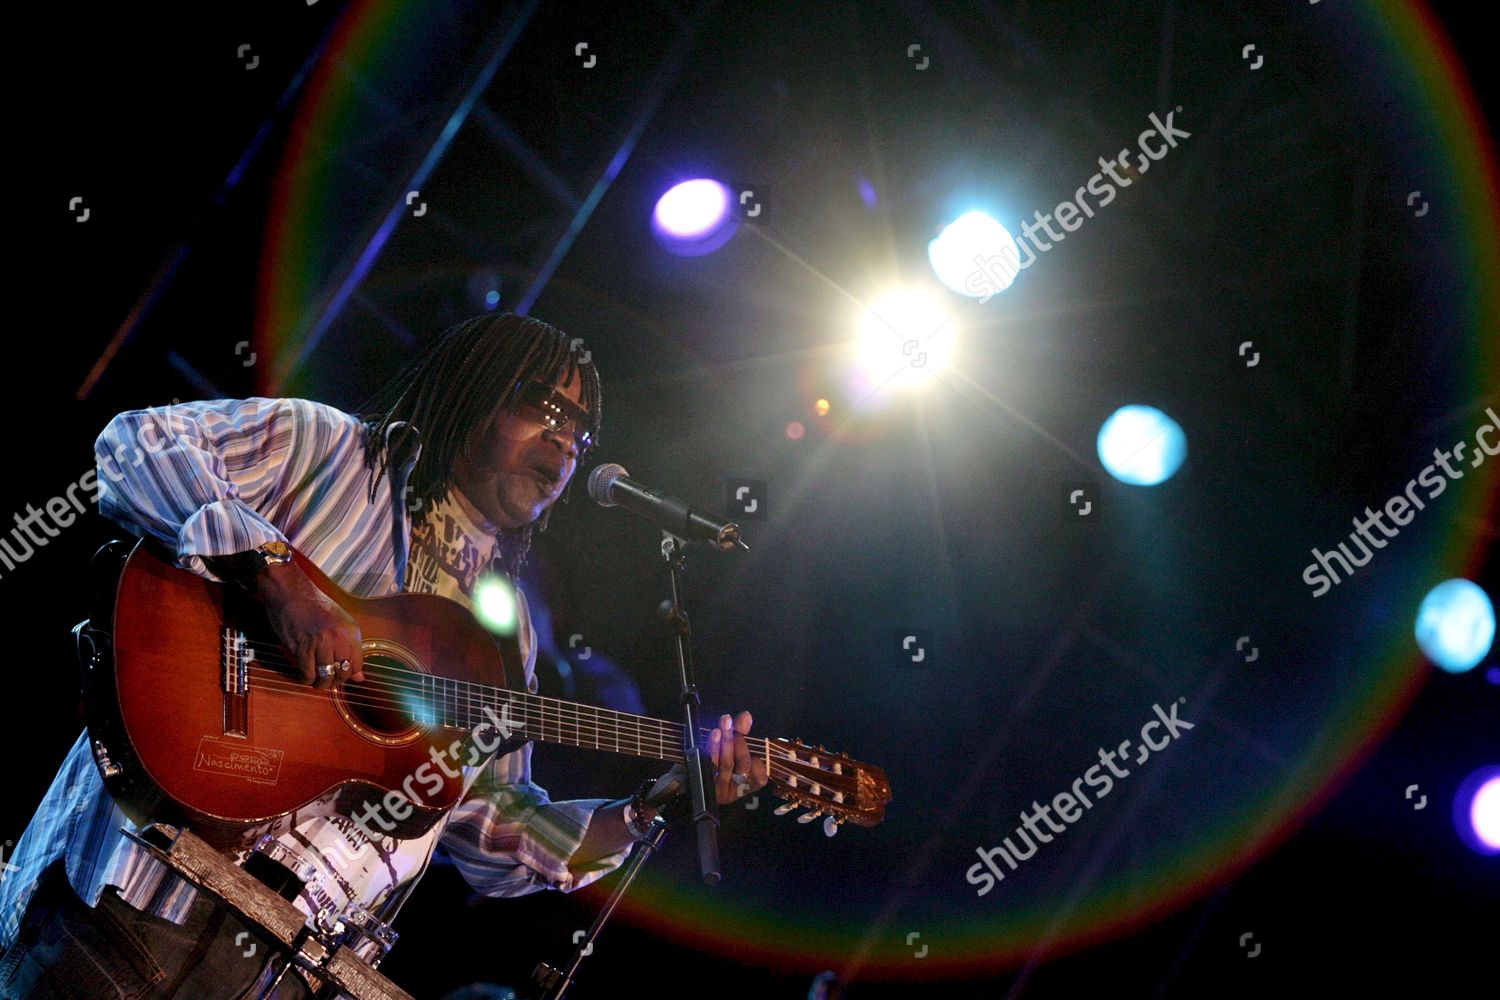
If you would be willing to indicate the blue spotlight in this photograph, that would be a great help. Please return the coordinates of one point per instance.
(974, 256)
(1141, 445)
(1456, 625)
(1476, 810)
(694, 218)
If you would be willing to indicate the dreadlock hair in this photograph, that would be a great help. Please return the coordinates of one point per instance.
(454, 385)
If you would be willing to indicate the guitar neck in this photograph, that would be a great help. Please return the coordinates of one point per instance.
(468, 706)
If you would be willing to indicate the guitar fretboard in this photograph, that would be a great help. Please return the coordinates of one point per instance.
(466, 705)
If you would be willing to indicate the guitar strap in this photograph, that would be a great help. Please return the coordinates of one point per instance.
(403, 446)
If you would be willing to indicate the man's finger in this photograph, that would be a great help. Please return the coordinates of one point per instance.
(726, 743)
(325, 655)
(725, 762)
(301, 660)
(713, 756)
(742, 744)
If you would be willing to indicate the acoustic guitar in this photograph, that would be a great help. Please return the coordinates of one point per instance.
(197, 717)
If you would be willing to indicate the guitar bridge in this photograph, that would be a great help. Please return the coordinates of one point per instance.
(236, 656)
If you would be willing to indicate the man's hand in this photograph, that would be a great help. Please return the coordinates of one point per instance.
(312, 628)
(730, 751)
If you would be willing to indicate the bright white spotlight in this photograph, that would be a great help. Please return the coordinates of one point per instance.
(1456, 625)
(975, 256)
(1476, 810)
(692, 208)
(1484, 813)
(904, 336)
(693, 218)
(1141, 445)
(495, 604)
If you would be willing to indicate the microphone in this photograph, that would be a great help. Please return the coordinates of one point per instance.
(611, 486)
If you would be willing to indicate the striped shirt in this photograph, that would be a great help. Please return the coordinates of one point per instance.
(218, 477)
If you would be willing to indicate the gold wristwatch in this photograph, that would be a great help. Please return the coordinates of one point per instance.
(243, 567)
(275, 553)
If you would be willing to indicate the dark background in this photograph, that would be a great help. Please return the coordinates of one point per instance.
(143, 110)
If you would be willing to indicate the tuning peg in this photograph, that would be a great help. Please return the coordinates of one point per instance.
(785, 808)
(831, 825)
(808, 817)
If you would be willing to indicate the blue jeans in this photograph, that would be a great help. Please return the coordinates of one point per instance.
(67, 950)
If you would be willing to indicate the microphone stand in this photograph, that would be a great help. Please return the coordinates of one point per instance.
(704, 810)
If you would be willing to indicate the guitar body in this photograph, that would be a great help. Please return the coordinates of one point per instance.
(197, 719)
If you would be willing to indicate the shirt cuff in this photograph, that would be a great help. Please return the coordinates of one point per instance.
(222, 528)
(508, 843)
(585, 873)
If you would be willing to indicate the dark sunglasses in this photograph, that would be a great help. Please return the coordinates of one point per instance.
(544, 405)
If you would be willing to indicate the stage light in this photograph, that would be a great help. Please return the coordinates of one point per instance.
(975, 256)
(795, 430)
(1456, 625)
(822, 407)
(694, 218)
(495, 604)
(903, 337)
(693, 208)
(1476, 810)
(1141, 445)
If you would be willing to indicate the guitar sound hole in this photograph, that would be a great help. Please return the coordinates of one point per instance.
(388, 700)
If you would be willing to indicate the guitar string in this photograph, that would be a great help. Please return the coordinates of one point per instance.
(359, 695)
(665, 750)
(418, 689)
(446, 693)
(412, 682)
(765, 749)
(668, 748)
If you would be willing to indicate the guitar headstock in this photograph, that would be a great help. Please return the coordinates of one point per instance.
(828, 784)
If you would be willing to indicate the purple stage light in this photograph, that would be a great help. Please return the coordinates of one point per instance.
(1476, 810)
(694, 218)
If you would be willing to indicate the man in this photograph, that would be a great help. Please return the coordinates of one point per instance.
(480, 436)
